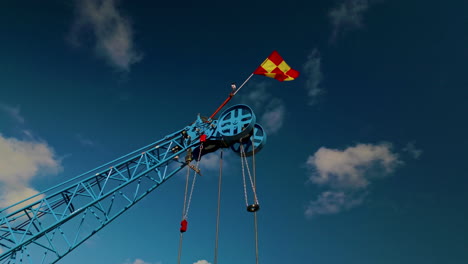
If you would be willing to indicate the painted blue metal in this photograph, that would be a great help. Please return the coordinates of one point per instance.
(251, 144)
(236, 122)
(46, 227)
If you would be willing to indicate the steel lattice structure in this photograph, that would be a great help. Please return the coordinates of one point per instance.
(46, 227)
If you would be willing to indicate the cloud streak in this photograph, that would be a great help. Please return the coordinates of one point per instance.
(411, 149)
(13, 112)
(347, 174)
(84, 141)
(314, 75)
(348, 15)
(333, 202)
(111, 30)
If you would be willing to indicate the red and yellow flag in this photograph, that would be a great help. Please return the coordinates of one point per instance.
(275, 67)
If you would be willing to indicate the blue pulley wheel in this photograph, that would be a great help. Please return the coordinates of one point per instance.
(251, 144)
(236, 122)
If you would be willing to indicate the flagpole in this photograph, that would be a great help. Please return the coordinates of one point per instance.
(242, 85)
(230, 97)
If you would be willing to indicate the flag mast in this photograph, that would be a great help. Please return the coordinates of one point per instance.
(242, 85)
(234, 92)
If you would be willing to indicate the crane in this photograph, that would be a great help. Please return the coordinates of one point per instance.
(46, 227)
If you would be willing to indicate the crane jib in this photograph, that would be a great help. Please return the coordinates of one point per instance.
(46, 227)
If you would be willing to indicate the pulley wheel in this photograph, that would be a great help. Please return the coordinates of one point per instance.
(236, 122)
(251, 144)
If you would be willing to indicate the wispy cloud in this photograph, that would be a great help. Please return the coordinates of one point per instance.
(273, 116)
(84, 141)
(313, 73)
(112, 32)
(348, 15)
(270, 110)
(347, 174)
(411, 149)
(20, 162)
(13, 112)
(333, 202)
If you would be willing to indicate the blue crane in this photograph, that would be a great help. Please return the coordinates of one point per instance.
(46, 227)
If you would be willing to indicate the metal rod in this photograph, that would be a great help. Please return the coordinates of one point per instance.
(230, 97)
(242, 85)
(222, 105)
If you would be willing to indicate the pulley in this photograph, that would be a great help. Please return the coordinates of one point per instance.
(236, 122)
(251, 144)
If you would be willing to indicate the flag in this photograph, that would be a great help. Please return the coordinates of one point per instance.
(275, 67)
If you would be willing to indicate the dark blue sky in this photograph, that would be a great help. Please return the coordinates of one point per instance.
(365, 158)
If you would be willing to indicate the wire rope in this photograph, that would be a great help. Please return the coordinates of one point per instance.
(242, 152)
(255, 213)
(219, 206)
(186, 206)
(244, 160)
(183, 213)
(193, 182)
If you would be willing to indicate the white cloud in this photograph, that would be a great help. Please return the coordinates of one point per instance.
(270, 110)
(347, 174)
(20, 162)
(412, 150)
(348, 15)
(210, 161)
(333, 202)
(202, 262)
(313, 73)
(139, 261)
(349, 168)
(13, 112)
(112, 31)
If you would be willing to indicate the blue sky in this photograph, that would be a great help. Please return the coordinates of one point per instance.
(365, 158)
